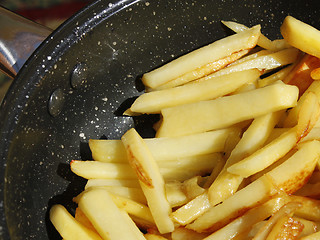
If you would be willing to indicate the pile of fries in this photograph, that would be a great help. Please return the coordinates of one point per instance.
(236, 151)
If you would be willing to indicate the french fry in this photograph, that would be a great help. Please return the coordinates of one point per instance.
(263, 63)
(192, 188)
(165, 149)
(202, 71)
(214, 174)
(204, 161)
(308, 115)
(151, 236)
(68, 227)
(132, 193)
(182, 168)
(286, 228)
(82, 218)
(279, 75)
(112, 183)
(313, 236)
(220, 215)
(266, 155)
(289, 177)
(151, 181)
(133, 208)
(300, 74)
(102, 170)
(263, 41)
(292, 118)
(315, 74)
(310, 209)
(310, 227)
(192, 210)
(175, 194)
(301, 35)
(96, 204)
(225, 111)
(253, 138)
(236, 154)
(154, 102)
(187, 234)
(244, 223)
(201, 57)
(285, 211)
(226, 183)
(309, 190)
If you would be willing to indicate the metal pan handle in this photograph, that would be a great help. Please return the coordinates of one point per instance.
(19, 37)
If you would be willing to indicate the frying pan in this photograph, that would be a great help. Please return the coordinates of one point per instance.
(77, 83)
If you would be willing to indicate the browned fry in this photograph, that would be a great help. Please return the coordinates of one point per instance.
(203, 70)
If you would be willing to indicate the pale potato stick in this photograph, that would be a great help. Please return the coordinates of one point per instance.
(202, 71)
(104, 150)
(153, 102)
(231, 142)
(226, 111)
(310, 209)
(279, 75)
(263, 63)
(152, 236)
(192, 188)
(127, 203)
(102, 170)
(251, 56)
(132, 193)
(313, 236)
(200, 57)
(175, 193)
(82, 218)
(301, 35)
(253, 138)
(263, 41)
(286, 210)
(181, 171)
(150, 178)
(245, 222)
(182, 174)
(112, 182)
(96, 205)
(192, 210)
(165, 149)
(254, 230)
(133, 208)
(68, 227)
(182, 233)
(265, 156)
(308, 115)
(276, 164)
(203, 161)
(214, 174)
(289, 177)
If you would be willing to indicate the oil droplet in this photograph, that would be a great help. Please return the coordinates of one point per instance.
(56, 102)
(79, 75)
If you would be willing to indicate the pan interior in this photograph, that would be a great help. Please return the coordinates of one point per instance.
(90, 68)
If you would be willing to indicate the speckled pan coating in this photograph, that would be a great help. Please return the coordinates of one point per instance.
(93, 65)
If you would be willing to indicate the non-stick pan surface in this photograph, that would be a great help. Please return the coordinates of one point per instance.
(90, 68)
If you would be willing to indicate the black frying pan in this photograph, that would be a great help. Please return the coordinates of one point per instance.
(93, 65)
